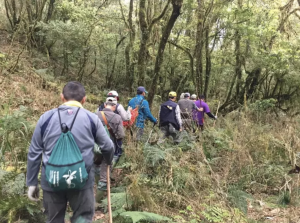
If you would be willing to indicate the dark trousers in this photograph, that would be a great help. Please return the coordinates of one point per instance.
(119, 150)
(82, 203)
(169, 130)
(139, 134)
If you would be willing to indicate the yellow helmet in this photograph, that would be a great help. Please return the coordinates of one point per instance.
(172, 94)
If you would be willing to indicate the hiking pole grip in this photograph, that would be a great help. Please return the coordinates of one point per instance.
(108, 193)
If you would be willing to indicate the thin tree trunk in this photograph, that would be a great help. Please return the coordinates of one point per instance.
(146, 29)
(238, 63)
(111, 76)
(129, 65)
(238, 58)
(190, 58)
(143, 43)
(208, 62)
(50, 10)
(199, 49)
(165, 36)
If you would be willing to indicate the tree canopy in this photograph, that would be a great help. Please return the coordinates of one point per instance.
(236, 51)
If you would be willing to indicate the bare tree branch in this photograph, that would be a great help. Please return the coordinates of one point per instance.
(122, 13)
(155, 20)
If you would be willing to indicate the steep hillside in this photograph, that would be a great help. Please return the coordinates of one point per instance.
(236, 171)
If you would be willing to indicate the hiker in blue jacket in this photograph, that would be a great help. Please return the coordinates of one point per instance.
(144, 111)
(87, 130)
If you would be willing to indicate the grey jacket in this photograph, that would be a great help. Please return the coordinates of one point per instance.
(87, 130)
(125, 115)
(186, 106)
(115, 122)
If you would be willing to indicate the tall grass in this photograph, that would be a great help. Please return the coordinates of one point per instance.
(245, 157)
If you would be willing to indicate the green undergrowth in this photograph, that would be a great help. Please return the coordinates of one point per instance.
(211, 176)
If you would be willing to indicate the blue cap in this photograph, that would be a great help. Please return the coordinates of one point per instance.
(142, 89)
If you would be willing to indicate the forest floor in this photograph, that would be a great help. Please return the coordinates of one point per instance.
(26, 87)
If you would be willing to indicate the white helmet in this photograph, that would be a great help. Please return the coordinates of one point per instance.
(112, 94)
(194, 96)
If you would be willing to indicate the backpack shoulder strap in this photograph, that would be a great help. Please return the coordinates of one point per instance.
(110, 130)
(46, 123)
(104, 119)
(71, 123)
(74, 119)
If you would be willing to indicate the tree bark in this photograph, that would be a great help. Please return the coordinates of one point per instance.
(146, 29)
(50, 10)
(238, 63)
(143, 43)
(177, 4)
(199, 48)
(111, 76)
(129, 64)
(190, 58)
(208, 62)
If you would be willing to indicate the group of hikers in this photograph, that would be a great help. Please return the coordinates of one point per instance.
(64, 138)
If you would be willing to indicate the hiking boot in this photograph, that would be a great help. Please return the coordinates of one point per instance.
(102, 186)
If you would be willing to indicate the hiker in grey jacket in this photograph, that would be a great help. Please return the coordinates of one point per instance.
(120, 110)
(87, 130)
(125, 115)
(187, 107)
(114, 123)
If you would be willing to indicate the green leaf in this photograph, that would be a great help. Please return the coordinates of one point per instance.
(137, 216)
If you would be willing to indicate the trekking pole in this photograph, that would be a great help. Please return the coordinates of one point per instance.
(108, 193)
(150, 133)
(217, 112)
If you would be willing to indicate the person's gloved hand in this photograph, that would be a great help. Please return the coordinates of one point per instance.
(33, 193)
(216, 117)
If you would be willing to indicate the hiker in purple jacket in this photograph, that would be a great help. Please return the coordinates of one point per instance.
(199, 115)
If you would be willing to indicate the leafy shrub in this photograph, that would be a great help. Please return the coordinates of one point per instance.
(14, 204)
(238, 199)
(137, 216)
(15, 133)
(263, 105)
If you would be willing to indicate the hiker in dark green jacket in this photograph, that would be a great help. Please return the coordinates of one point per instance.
(87, 130)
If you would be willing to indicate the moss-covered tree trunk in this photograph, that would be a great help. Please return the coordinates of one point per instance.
(199, 48)
(177, 4)
(145, 28)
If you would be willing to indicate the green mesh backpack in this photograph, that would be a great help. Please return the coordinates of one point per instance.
(65, 169)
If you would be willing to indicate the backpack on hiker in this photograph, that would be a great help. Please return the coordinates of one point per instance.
(106, 125)
(65, 169)
(98, 155)
(134, 115)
